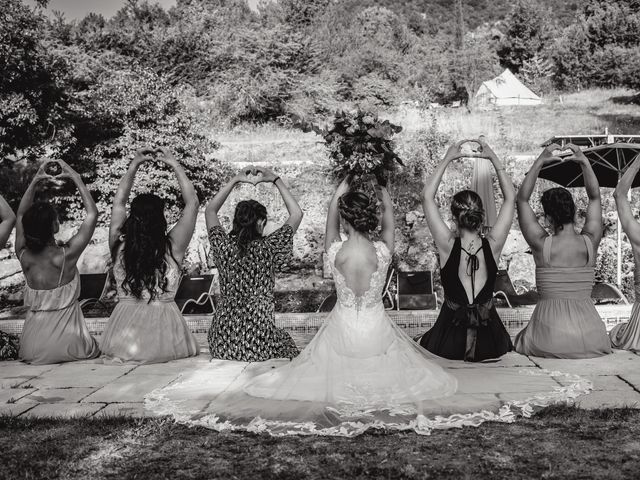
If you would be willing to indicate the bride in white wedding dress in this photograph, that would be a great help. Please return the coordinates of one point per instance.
(361, 370)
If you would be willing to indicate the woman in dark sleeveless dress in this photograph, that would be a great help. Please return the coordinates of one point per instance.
(468, 327)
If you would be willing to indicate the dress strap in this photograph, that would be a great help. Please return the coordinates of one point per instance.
(64, 261)
(21, 254)
(589, 244)
(546, 251)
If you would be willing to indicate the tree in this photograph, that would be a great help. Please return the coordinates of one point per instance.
(472, 65)
(526, 35)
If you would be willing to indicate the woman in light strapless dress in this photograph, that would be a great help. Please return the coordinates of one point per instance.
(564, 323)
(626, 336)
(54, 330)
(146, 326)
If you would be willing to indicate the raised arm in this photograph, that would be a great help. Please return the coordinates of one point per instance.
(119, 208)
(500, 230)
(388, 221)
(295, 212)
(182, 231)
(27, 201)
(593, 222)
(77, 243)
(531, 229)
(332, 230)
(215, 204)
(7, 221)
(442, 235)
(629, 224)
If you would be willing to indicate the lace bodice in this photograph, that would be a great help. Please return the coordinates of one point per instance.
(373, 296)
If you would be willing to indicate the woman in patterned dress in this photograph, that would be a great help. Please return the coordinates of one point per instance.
(8, 342)
(243, 327)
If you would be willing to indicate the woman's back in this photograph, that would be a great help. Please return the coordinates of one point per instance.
(568, 250)
(357, 262)
(47, 269)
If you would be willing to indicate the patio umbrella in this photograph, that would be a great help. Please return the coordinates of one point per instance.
(609, 163)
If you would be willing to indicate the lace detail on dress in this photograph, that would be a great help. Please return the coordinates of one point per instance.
(159, 403)
(373, 296)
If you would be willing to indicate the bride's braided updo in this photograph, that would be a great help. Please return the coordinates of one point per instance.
(359, 210)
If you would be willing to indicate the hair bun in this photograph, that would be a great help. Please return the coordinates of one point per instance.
(467, 210)
(359, 210)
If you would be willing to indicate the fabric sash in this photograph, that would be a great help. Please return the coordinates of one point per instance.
(471, 316)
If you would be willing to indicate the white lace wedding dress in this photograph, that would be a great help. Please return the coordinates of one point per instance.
(360, 371)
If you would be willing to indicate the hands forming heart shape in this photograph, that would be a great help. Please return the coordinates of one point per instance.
(55, 169)
(471, 148)
(255, 175)
(161, 154)
(555, 153)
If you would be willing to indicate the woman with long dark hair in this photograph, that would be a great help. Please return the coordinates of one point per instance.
(468, 327)
(146, 326)
(564, 324)
(54, 330)
(243, 326)
(8, 342)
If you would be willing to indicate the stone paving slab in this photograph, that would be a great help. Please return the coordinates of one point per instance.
(63, 410)
(94, 388)
(11, 395)
(58, 395)
(619, 362)
(609, 399)
(80, 375)
(16, 373)
(16, 409)
(130, 388)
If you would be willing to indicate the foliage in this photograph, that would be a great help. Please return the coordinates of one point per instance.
(528, 29)
(360, 144)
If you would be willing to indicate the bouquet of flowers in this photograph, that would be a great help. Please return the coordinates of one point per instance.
(360, 145)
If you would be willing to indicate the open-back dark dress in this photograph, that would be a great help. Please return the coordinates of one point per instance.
(463, 331)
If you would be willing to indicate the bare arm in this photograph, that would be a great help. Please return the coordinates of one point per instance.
(332, 230)
(388, 221)
(7, 221)
(182, 231)
(531, 229)
(77, 243)
(295, 212)
(26, 202)
(216, 203)
(119, 208)
(593, 222)
(442, 235)
(629, 224)
(500, 230)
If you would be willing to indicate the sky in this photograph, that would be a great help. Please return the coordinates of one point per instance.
(76, 9)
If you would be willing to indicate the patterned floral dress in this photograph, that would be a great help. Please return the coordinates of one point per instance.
(9, 346)
(243, 326)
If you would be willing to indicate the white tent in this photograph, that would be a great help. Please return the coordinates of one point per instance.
(505, 90)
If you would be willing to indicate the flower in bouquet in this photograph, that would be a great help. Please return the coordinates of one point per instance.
(360, 145)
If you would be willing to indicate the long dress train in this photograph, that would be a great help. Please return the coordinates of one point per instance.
(360, 371)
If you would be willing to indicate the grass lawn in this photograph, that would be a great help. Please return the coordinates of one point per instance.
(560, 442)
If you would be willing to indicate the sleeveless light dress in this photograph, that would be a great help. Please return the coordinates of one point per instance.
(54, 330)
(626, 336)
(360, 371)
(564, 323)
(140, 331)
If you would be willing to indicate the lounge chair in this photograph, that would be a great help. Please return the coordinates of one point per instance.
(607, 293)
(504, 289)
(195, 295)
(415, 291)
(93, 288)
